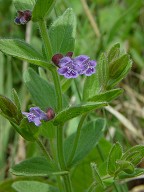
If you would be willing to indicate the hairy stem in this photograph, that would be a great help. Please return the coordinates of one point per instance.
(48, 51)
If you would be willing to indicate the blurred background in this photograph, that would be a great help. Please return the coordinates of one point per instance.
(100, 24)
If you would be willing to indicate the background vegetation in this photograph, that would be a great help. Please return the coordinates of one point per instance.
(100, 24)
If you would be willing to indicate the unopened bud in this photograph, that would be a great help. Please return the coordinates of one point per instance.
(50, 113)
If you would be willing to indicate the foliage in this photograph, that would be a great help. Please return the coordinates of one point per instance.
(78, 156)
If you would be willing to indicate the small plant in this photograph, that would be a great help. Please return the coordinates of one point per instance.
(51, 110)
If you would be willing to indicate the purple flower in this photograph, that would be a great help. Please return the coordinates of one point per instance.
(23, 17)
(67, 68)
(72, 67)
(85, 65)
(36, 115)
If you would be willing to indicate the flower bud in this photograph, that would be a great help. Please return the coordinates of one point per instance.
(23, 17)
(50, 113)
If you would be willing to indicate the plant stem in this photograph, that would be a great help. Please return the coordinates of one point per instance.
(47, 155)
(48, 49)
(46, 39)
(76, 139)
(60, 147)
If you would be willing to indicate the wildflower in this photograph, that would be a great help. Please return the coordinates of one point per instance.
(36, 115)
(67, 68)
(72, 67)
(85, 65)
(23, 17)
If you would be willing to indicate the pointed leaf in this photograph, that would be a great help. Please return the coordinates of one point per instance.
(134, 154)
(115, 154)
(62, 33)
(24, 4)
(107, 96)
(77, 110)
(126, 166)
(33, 186)
(96, 176)
(42, 91)
(26, 129)
(37, 166)
(16, 100)
(103, 71)
(91, 86)
(90, 135)
(42, 8)
(23, 51)
(8, 107)
(114, 52)
(118, 70)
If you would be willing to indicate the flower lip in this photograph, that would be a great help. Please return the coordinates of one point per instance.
(36, 115)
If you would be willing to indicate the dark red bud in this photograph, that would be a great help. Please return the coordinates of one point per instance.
(56, 59)
(69, 54)
(50, 113)
(27, 15)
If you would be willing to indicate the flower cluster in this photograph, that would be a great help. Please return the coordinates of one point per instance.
(36, 115)
(23, 17)
(73, 67)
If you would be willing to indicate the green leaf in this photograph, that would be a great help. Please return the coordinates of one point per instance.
(24, 4)
(28, 130)
(107, 96)
(33, 186)
(126, 166)
(90, 135)
(37, 166)
(62, 33)
(134, 154)
(23, 51)
(118, 69)
(77, 110)
(114, 52)
(8, 107)
(103, 71)
(136, 173)
(47, 129)
(16, 100)
(42, 8)
(42, 91)
(96, 176)
(115, 154)
(91, 86)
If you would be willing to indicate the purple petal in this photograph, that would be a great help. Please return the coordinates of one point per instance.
(62, 71)
(64, 61)
(17, 21)
(90, 71)
(81, 59)
(37, 121)
(92, 63)
(23, 20)
(71, 74)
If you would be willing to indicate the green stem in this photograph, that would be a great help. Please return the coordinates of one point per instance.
(48, 49)
(60, 152)
(47, 155)
(46, 39)
(76, 139)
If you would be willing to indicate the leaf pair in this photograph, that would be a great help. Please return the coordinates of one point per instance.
(112, 67)
(124, 162)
